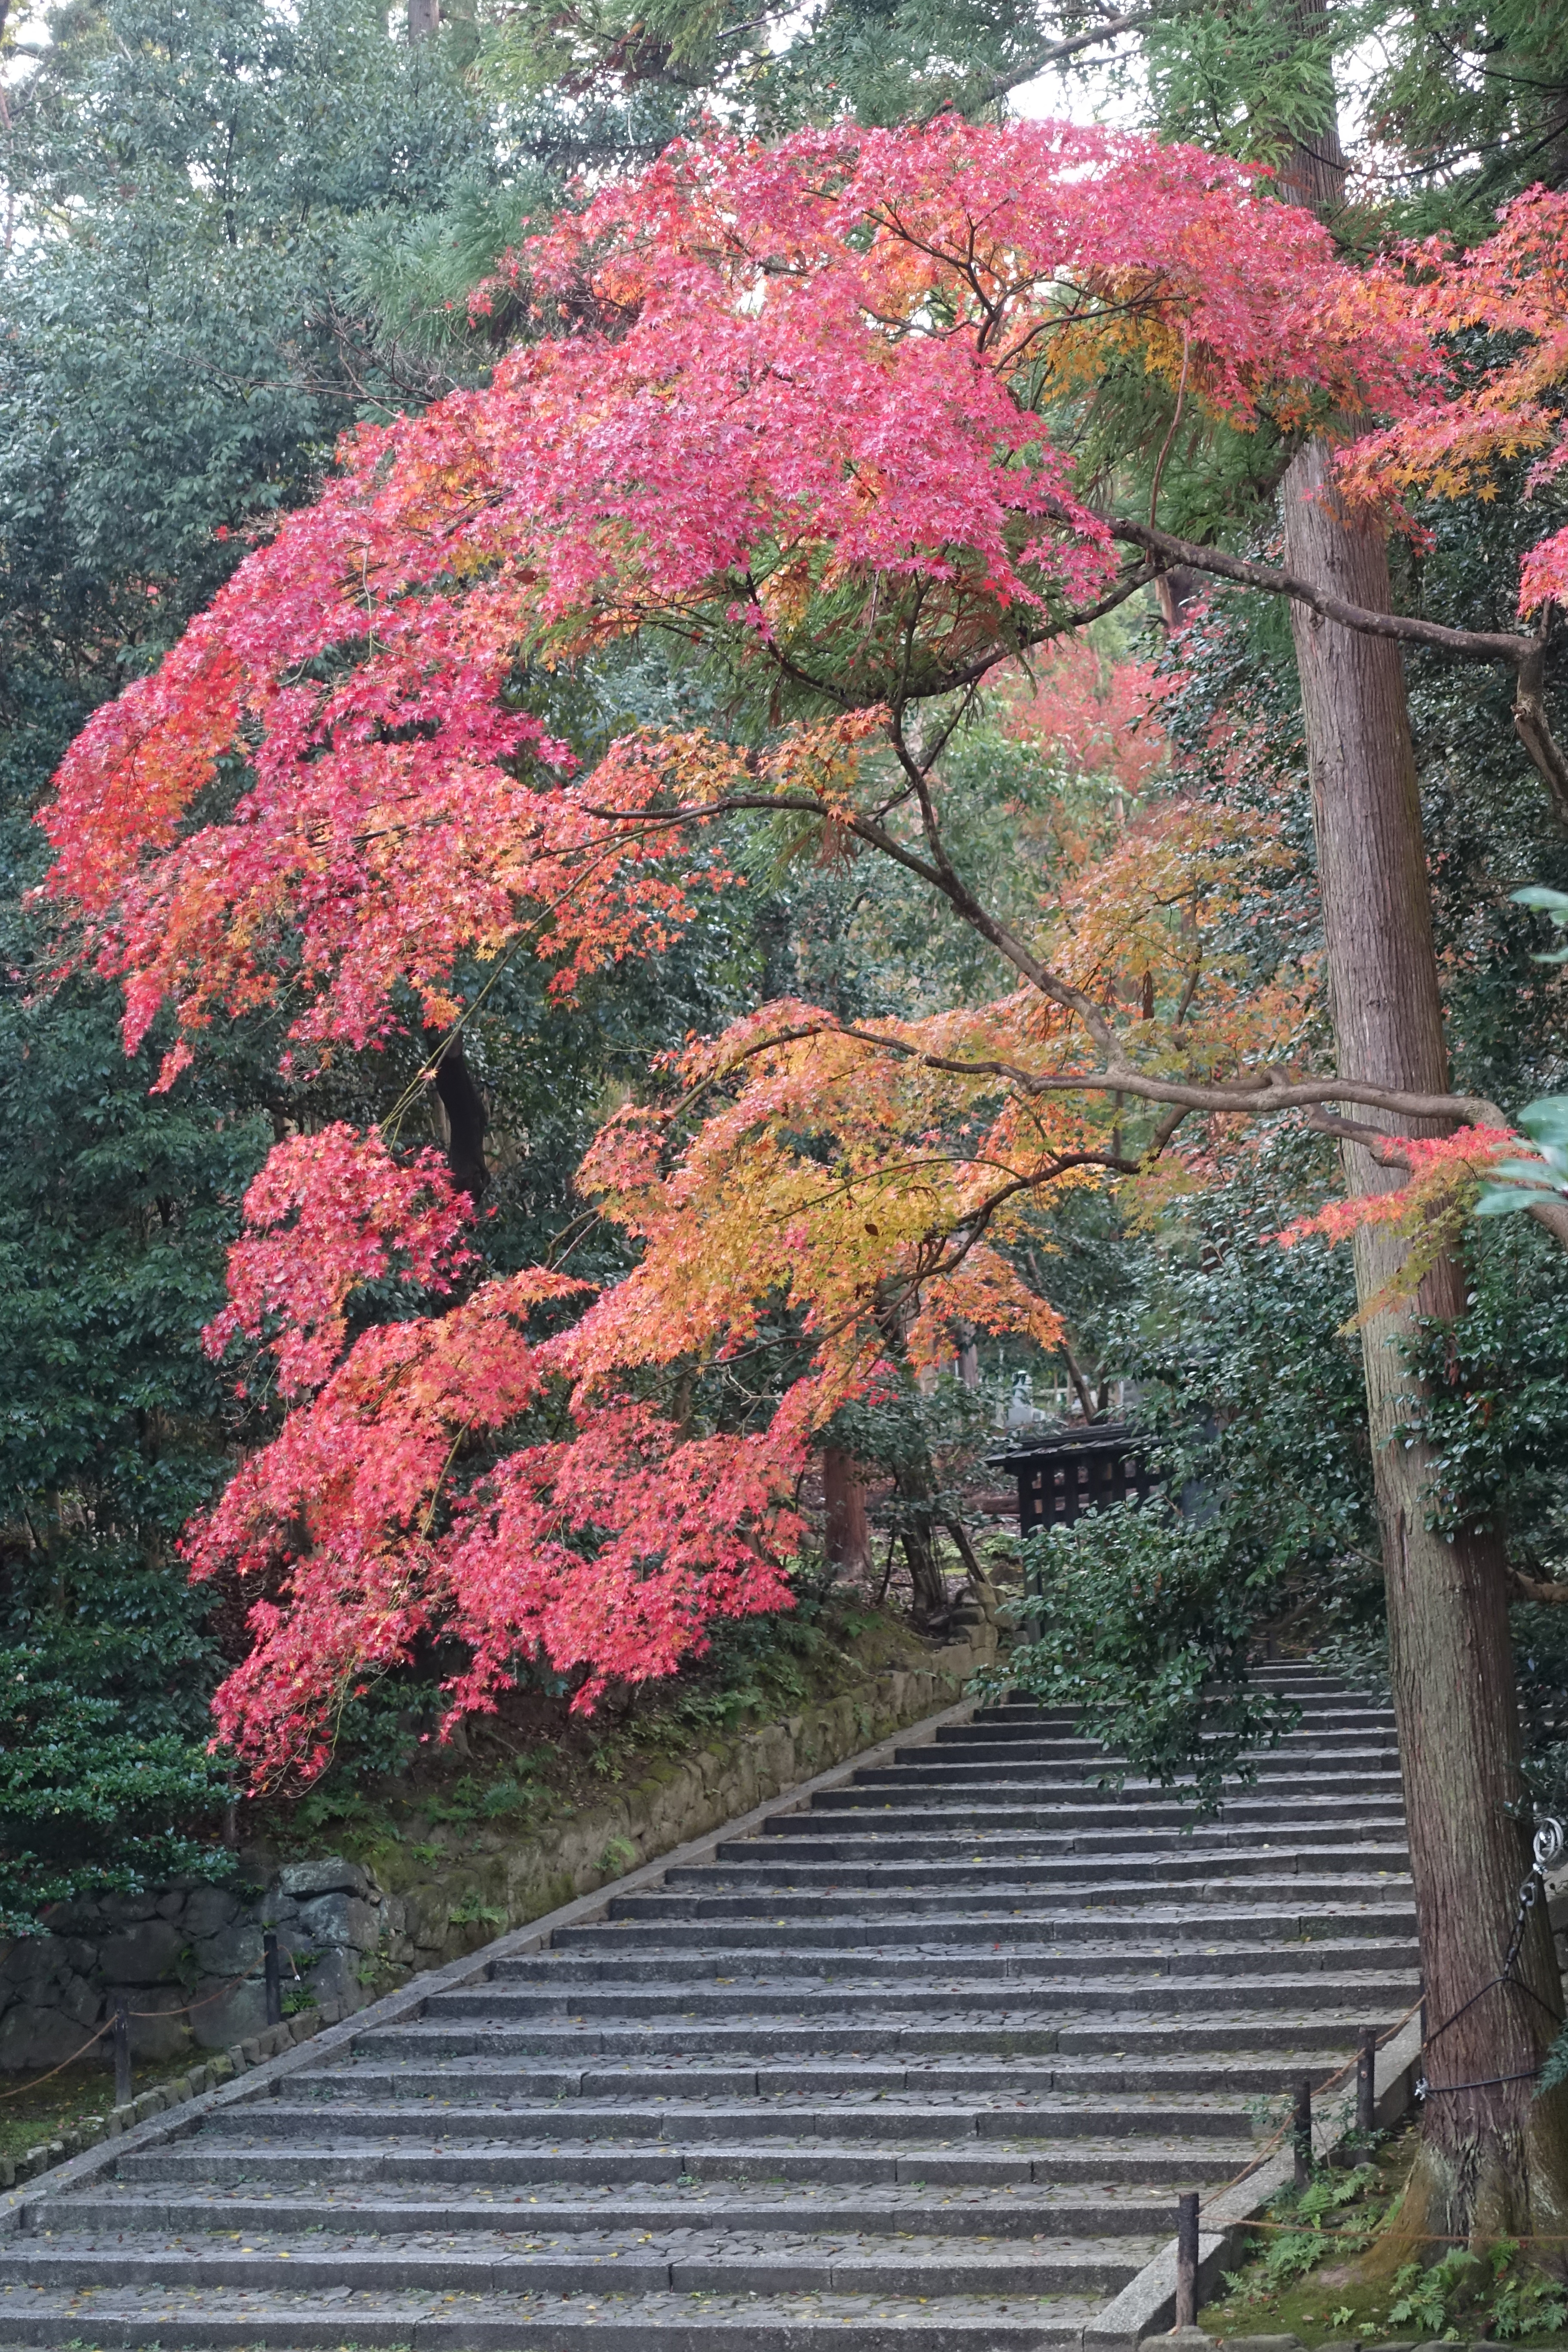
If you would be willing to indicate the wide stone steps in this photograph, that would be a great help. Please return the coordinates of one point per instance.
(925, 2064)
(329, 2167)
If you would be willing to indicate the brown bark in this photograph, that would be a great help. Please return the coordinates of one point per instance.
(928, 1585)
(1493, 2161)
(424, 17)
(847, 1534)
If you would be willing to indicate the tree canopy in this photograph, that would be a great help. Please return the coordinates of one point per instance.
(851, 418)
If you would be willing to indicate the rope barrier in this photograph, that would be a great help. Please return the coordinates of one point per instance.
(189, 2009)
(1268, 2147)
(1545, 1848)
(21, 2088)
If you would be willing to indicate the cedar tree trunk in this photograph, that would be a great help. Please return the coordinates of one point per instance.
(1494, 2160)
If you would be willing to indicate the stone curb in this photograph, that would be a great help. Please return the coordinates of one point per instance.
(321, 2044)
(1147, 2305)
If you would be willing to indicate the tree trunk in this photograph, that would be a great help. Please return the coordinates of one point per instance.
(424, 18)
(847, 1539)
(1494, 2161)
(463, 1119)
(928, 1585)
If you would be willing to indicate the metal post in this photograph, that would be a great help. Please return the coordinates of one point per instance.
(1366, 2082)
(1187, 2258)
(124, 2089)
(274, 1976)
(1302, 2129)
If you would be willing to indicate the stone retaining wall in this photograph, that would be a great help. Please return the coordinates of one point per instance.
(352, 1932)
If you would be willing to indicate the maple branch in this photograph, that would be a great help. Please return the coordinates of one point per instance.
(1509, 646)
(1524, 654)
(1377, 1140)
(1529, 1588)
(1271, 1091)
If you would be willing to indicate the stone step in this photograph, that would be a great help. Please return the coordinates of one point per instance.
(376, 2320)
(1192, 1999)
(217, 2163)
(1198, 1922)
(1226, 2053)
(1352, 1776)
(1029, 2210)
(1327, 1723)
(908, 2117)
(1016, 1742)
(1002, 1805)
(915, 1943)
(611, 2259)
(565, 2043)
(1214, 1878)
(836, 1839)
(637, 1953)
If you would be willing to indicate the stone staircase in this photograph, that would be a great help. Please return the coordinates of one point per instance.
(927, 2063)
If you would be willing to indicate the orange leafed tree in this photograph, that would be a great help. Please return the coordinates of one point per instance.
(813, 409)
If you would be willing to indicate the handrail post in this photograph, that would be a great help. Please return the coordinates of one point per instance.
(272, 1970)
(1187, 2258)
(1366, 2082)
(125, 2087)
(1302, 2129)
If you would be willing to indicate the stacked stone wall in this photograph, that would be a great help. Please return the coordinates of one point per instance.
(187, 1957)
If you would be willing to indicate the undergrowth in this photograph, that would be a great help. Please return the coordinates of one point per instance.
(395, 1785)
(1302, 2274)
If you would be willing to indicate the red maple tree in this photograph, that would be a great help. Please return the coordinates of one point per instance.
(813, 407)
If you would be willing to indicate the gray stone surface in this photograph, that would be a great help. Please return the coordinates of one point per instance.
(342, 1919)
(37, 2037)
(219, 2018)
(926, 2063)
(142, 1954)
(330, 1876)
(208, 1910)
(230, 1950)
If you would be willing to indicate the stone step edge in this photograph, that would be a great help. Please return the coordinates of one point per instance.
(308, 2044)
(1147, 2306)
(473, 2327)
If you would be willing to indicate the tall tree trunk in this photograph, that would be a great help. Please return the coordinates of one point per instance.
(1493, 2161)
(463, 1119)
(848, 1537)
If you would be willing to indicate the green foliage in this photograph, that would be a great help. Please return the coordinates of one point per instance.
(88, 1799)
(1523, 2303)
(1144, 1630)
(1424, 2297)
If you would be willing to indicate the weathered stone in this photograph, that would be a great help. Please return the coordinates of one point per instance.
(31, 2037)
(32, 1956)
(231, 1951)
(333, 1979)
(342, 1919)
(331, 1875)
(143, 1954)
(158, 2030)
(208, 1909)
(128, 1910)
(171, 1903)
(79, 2001)
(215, 2025)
